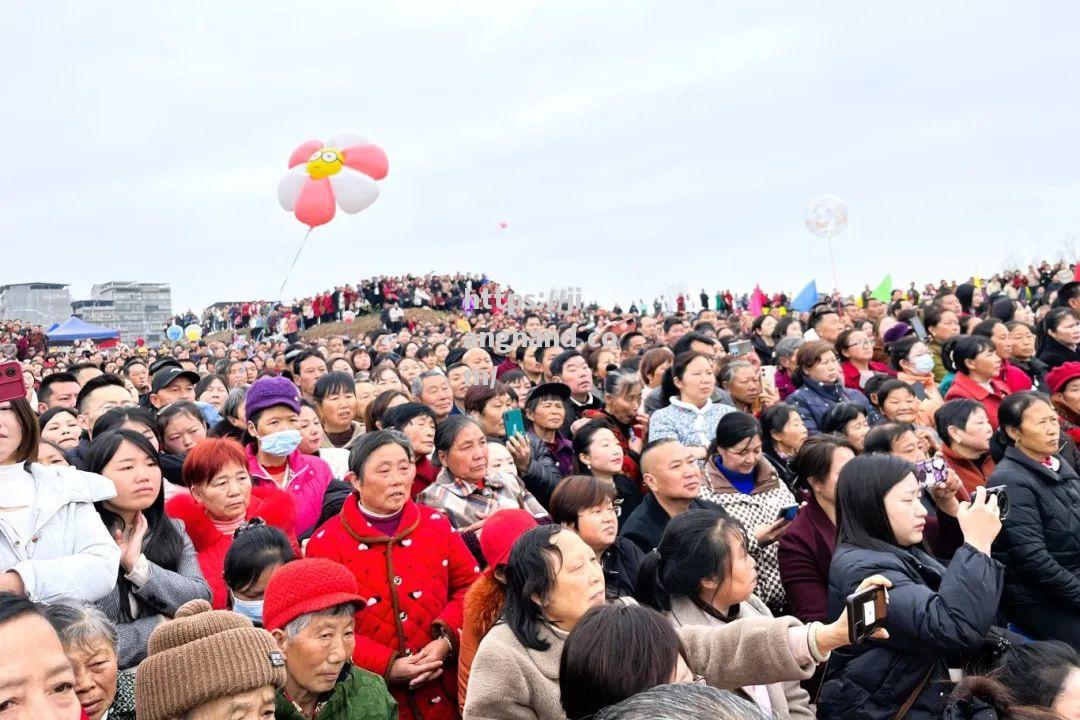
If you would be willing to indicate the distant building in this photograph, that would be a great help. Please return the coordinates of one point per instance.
(38, 303)
(135, 309)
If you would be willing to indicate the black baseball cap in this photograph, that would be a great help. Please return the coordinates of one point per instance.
(162, 363)
(165, 376)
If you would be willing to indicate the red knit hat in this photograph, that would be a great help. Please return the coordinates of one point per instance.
(501, 531)
(305, 586)
(1061, 375)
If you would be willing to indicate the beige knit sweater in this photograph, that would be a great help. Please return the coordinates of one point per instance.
(512, 682)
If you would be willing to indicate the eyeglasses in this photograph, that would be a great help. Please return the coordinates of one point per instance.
(861, 343)
(599, 512)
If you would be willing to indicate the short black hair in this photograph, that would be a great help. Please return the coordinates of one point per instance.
(839, 415)
(684, 343)
(1068, 291)
(333, 382)
(861, 519)
(562, 358)
(96, 384)
(45, 389)
(302, 356)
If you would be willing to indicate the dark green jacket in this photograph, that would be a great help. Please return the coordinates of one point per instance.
(358, 695)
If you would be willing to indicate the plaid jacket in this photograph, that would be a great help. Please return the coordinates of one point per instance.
(461, 501)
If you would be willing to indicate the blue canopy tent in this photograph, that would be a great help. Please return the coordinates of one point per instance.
(75, 329)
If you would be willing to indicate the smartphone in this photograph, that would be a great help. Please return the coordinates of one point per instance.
(768, 374)
(513, 422)
(1002, 499)
(740, 348)
(918, 327)
(866, 612)
(11, 381)
(788, 512)
(932, 471)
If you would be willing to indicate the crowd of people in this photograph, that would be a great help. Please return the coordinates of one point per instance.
(666, 528)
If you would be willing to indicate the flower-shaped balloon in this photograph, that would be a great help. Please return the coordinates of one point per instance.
(825, 216)
(343, 170)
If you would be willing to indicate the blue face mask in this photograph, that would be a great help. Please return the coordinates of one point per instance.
(251, 609)
(280, 444)
(924, 363)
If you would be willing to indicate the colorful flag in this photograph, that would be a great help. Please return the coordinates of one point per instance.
(883, 292)
(806, 299)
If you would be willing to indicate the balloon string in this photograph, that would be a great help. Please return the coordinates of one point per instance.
(295, 258)
(836, 281)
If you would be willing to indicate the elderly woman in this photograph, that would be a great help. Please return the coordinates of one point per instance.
(465, 490)
(688, 415)
(742, 386)
(335, 401)
(554, 578)
(413, 568)
(222, 496)
(89, 641)
(822, 387)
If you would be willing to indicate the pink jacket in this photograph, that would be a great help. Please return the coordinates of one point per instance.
(308, 478)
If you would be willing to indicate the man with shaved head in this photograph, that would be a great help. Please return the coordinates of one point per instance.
(674, 477)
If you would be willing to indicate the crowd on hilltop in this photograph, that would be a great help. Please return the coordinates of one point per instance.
(409, 525)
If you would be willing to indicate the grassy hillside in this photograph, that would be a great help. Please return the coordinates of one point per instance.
(355, 329)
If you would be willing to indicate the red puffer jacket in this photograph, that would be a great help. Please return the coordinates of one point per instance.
(415, 582)
(267, 502)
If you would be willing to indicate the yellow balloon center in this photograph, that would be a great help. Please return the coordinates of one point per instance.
(324, 163)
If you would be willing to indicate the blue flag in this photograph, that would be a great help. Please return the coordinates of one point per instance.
(807, 298)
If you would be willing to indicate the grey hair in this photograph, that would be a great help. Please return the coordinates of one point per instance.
(296, 626)
(372, 441)
(787, 346)
(80, 625)
(733, 367)
(618, 382)
(234, 401)
(417, 385)
(682, 700)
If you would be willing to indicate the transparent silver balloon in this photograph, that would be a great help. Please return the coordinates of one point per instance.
(826, 216)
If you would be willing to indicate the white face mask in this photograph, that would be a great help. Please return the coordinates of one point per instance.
(251, 609)
(924, 363)
(280, 444)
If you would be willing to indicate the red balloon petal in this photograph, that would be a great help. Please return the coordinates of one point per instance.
(368, 159)
(303, 153)
(315, 205)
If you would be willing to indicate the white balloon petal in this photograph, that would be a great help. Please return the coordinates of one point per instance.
(341, 139)
(289, 188)
(826, 216)
(353, 190)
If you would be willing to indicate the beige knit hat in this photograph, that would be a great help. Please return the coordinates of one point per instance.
(202, 655)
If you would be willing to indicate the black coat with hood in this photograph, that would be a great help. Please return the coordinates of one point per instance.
(934, 611)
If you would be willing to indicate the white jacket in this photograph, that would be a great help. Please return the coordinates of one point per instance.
(70, 555)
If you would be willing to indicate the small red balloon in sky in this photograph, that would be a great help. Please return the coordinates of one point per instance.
(504, 224)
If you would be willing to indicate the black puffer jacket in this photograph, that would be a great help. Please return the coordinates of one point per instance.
(933, 611)
(1040, 541)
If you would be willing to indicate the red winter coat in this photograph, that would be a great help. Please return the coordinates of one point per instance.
(414, 581)
(267, 502)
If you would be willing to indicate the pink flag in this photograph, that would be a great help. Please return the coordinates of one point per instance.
(757, 301)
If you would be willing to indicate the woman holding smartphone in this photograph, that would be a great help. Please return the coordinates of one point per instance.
(934, 611)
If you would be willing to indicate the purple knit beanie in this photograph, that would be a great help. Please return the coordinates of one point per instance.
(267, 392)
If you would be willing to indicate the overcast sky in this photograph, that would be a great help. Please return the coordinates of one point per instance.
(632, 147)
